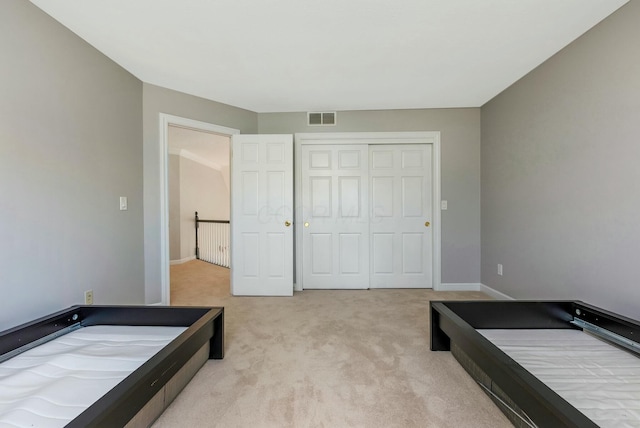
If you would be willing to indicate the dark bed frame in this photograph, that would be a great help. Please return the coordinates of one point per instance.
(119, 406)
(520, 395)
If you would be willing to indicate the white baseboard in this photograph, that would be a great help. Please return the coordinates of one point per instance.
(494, 293)
(179, 262)
(459, 286)
(155, 304)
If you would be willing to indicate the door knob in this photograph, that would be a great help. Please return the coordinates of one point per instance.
(287, 223)
(427, 224)
(306, 224)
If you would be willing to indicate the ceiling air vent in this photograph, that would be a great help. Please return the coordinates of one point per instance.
(321, 118)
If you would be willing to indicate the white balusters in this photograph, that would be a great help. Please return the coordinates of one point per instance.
(213, 242)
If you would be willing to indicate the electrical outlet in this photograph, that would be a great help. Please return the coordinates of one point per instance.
(88, 297)
(499, 269)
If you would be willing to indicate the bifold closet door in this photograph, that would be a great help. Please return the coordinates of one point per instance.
(335, 193)
(401, 215)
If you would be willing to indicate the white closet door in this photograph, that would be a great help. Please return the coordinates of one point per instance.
(401, 215)
(335, 216)
(262, 215)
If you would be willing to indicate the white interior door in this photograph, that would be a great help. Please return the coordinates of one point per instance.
(401, 216)
(335, 216)
(262, 215)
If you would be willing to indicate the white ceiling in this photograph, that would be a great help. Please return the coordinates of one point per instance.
(309, 55)
(204, 147)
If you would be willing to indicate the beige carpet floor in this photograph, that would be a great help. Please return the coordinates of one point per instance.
(324, 359)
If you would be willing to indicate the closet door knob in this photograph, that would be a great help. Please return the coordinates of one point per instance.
(306, 224)
(287, 223)
(427, 224)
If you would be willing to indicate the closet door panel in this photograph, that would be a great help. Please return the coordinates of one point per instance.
(366, 216)
(401, 212)
(335, 229)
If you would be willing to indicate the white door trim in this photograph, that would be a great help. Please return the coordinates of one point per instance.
(423, 137)
(165, 120)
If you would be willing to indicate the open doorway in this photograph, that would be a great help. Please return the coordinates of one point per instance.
(195, 158)
(198, 167)
(198, 182)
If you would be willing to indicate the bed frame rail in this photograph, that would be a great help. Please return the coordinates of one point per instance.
(205, 328)
(456, 322)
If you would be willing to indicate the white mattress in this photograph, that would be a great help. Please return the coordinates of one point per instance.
(600, 380)
(48, 386)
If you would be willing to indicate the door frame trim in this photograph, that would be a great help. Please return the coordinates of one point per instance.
(420, 137)
(165, 120)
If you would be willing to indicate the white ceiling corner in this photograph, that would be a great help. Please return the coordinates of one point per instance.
(206, 148)
(304, 55)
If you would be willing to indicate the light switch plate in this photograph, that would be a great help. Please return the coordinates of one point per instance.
(123, 203)
(443, 205)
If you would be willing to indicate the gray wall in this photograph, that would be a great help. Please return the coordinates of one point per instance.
(158, 100)
(460, 170)
(70, 145)
(561, 174)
